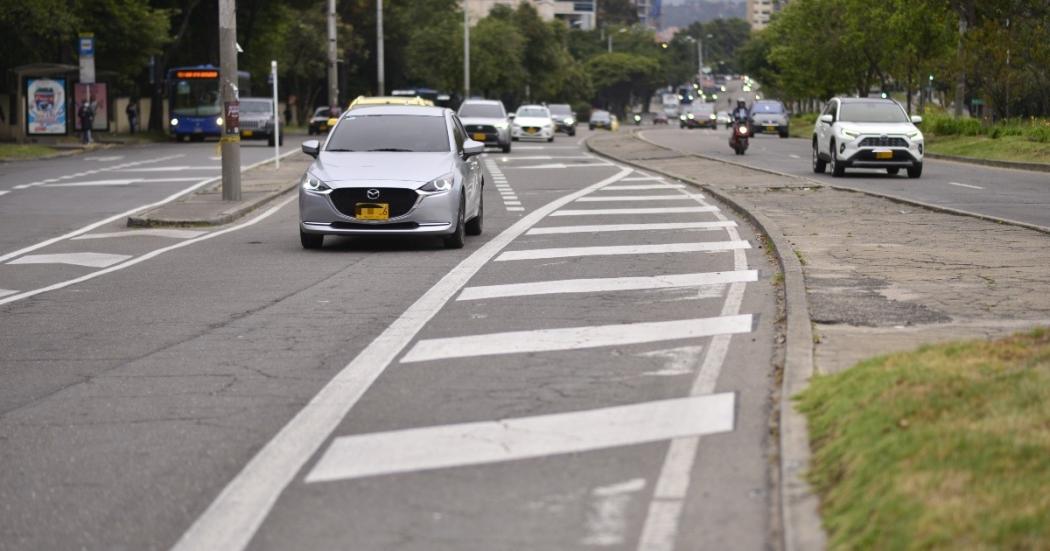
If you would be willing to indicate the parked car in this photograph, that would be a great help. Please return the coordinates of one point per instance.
(698, 115)
(257, 120)
(867, 133)
(486, 121)
(319, 121)
(600, 119)
(393, 170)
(533, 122)
(564, 118)
(769, 116)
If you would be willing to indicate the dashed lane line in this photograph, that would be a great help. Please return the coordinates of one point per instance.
(91, 183)
(173, 234)
(661, 210)
(97, 170)
(640, 187)
(606, 284)
(643, 178)
(90, 260)
(487, 442)
(549, 230)
(615, 250)
(970, 186)
(629, 198)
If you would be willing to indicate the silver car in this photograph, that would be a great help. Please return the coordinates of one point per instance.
(393, 170)
(486, 121)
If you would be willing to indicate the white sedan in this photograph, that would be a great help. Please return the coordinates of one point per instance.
(533, 122)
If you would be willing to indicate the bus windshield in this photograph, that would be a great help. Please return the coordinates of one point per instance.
(196, 97)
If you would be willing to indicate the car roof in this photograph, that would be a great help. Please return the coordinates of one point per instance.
(385, 109)
(389, 100)
(483, 101)
(531, 105)
(866, 100)
(256, 99)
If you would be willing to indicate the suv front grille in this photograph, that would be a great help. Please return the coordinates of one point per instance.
(883, 142)
(400, 200)
(487, 129)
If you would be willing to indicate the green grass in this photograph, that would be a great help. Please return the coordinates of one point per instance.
(801, 125)
(24, 151)
(946, 447)
(1006, 148)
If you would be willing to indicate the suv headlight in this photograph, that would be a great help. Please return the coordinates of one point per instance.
(851, 134)
(313, 183)
(914, 136)
(438, 185)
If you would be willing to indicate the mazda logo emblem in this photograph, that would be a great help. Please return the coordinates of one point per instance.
(372, 194)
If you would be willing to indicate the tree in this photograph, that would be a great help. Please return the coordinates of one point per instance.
(620, 77)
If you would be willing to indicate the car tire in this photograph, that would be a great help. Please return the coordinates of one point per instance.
(819, 165)
(590, 127)
(505, 147)
(513, 139)
(572, 133)
(784, 133)
(915, 170)
(476, 225)
(837, 170)
(893, 171)
(311, 240)
(458, 237)
(550, 139)
(270, 141)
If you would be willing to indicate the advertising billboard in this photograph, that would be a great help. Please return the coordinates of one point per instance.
(46, 106)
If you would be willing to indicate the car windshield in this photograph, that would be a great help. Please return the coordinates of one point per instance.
(408, 133)
(871, 111)
(600, 116)
(481, 111)
(533, 112)
(256, 107)
(321, 112)
(560, 109)
(768, 107)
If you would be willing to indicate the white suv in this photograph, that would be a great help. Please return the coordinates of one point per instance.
(867, 133)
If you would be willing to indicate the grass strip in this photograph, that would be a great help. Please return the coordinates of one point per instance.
(946, 447)
(24, 151)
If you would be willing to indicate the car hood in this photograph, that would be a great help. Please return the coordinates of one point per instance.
(532, 121)
(879, 128)
(489, 121)
(381, 168)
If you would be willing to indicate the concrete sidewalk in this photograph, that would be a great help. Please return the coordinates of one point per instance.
(205, 207)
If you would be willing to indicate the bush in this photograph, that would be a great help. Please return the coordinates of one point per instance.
(951, 126)
(1040, 134)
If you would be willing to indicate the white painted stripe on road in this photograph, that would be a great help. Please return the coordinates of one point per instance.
(233, 517)
(170, 168)
(628, 198)
(573, 338)
(661, 248)
(662, 210)
(964, 185)
(93, 183)
(97, 170)
(639, 187)
(174, 234)
(5, 292)
(643, 178)
(605, 284)
(513, 203)
(91, 260)
(5, 191)
(515, 209)
(607, 513)
(545, 158)
(488, 442)
(558, 166)
(793, 156)
(549, 230)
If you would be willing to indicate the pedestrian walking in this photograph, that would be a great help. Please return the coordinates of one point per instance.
(132, 111)
(87, 119)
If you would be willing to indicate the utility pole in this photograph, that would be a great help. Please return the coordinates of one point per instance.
(960, 84)
(380, 69)
(231, 137)
(609, 38)
(333, 67)
(700, 58)
(466, 51)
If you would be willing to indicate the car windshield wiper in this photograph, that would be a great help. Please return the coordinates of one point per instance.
(391, 149)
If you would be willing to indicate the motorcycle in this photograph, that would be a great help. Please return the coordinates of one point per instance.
(738, 140)
(637, 119)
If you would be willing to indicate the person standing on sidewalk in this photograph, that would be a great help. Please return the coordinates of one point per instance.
(87, 119)
(132, 111)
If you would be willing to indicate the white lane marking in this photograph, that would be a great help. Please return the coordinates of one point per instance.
(661, 210)
(605, 284)
(232, 519)
(515, 209)
(544, 157)
(628, 198)
(548, 230)
(5, 292)
(127, 213)
(607, 514)
(5, 191)
(573, 338)
(104, 159)
(612, 250)
(680, 361)
(486, 442)
(643, 178)
(91, 260)
(170, 168)
(557, 166)
(964, 185)
(513, 203)
(92, 183)
(97, 170)
(174, 234)
(639, 187)
(793, 156)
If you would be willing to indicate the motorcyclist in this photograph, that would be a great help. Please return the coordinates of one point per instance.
(741, 112)
(741, 127)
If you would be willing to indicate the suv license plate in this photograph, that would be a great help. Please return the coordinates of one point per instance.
(883, 155)
(479, 136)
(372, 211)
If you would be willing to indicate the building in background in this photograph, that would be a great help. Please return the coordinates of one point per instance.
(759, 12)
(577, 13)
(649, 12)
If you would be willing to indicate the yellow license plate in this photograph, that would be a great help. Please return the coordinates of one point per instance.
(531, 131)
(771, 128)
(883, 154)
(247, 133)
(372, 211)
(479, 136)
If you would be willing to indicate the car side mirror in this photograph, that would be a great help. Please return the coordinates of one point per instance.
(472, 148)
(915, 119)
(311, 147)
(511, 116)
(829, 119)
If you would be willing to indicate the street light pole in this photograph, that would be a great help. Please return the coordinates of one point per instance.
(333, 60)
(466, 51)
(230, 141)
(380, 69)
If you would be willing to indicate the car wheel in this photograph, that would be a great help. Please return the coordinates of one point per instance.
(784, 133)
(572, 133)
(458, 237)
(311, 240)
(506, 147)
(818, 164)
(513, 139)
(892, 171)
(837, 169)
(550, 139)
(476, 224)
(915, 170)
(270, 141)
(591, 127)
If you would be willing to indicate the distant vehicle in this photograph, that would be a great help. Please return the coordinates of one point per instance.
(257, 120)
(393, 170)
(486, 121)
(195, 103)
(660, 118)
(686, 94)
(564, 118)
(722, 117)
(698, 115)
(769, 116)
(318, 123)
(600, 119)
(533, 122)
(867, 133)
(362, 101)
(437, 98)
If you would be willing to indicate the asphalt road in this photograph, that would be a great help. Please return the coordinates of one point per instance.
(593, 371)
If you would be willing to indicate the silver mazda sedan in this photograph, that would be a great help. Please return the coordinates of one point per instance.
(389, 170)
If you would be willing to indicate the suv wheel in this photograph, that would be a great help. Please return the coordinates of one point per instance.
(837, 169)
(915, 170)
(506, 147)
(818, 164)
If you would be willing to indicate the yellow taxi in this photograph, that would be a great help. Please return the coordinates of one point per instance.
(383, 100)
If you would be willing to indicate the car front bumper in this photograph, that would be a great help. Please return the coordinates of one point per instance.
(850, 155)
(432, 214)
(539, 134)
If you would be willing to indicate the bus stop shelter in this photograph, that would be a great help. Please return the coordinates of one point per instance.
(36, 70)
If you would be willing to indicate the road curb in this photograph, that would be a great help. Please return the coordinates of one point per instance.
(840, 187)
(1015, 165)
(800, 521)
(149, 220)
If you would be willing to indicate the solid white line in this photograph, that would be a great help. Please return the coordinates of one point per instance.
(170, 168)
(643, 178)
(639, 187)
(628, 198)
(94, 183)
(546, 158)
(91, 260)
(605, 284)
(5, 191)
(174, 234)
(660, 248)
(232, 519)
(479, 443)
(662, 210)
(548, 230)
(964, 185)
(558, 166)
(573, 338)
(5, 292)
(127, 213)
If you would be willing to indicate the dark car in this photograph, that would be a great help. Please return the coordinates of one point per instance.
(319, 121)
(257, 120)
(600, 119)
(769, 116)
(564, 118)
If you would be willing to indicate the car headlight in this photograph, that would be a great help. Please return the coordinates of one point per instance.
(713, 116)
(570, 120)
(174, 122)
(850, 133)
(218, 121)
(691, 116)
(681, 117)
(313, 183)
(915, 136)
(438, 185)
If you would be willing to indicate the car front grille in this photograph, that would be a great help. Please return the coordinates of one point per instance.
(883, 141)
(400, 200)
(485, 128)
(252, 124)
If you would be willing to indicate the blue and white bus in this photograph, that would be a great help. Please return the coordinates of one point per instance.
(195, 103)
